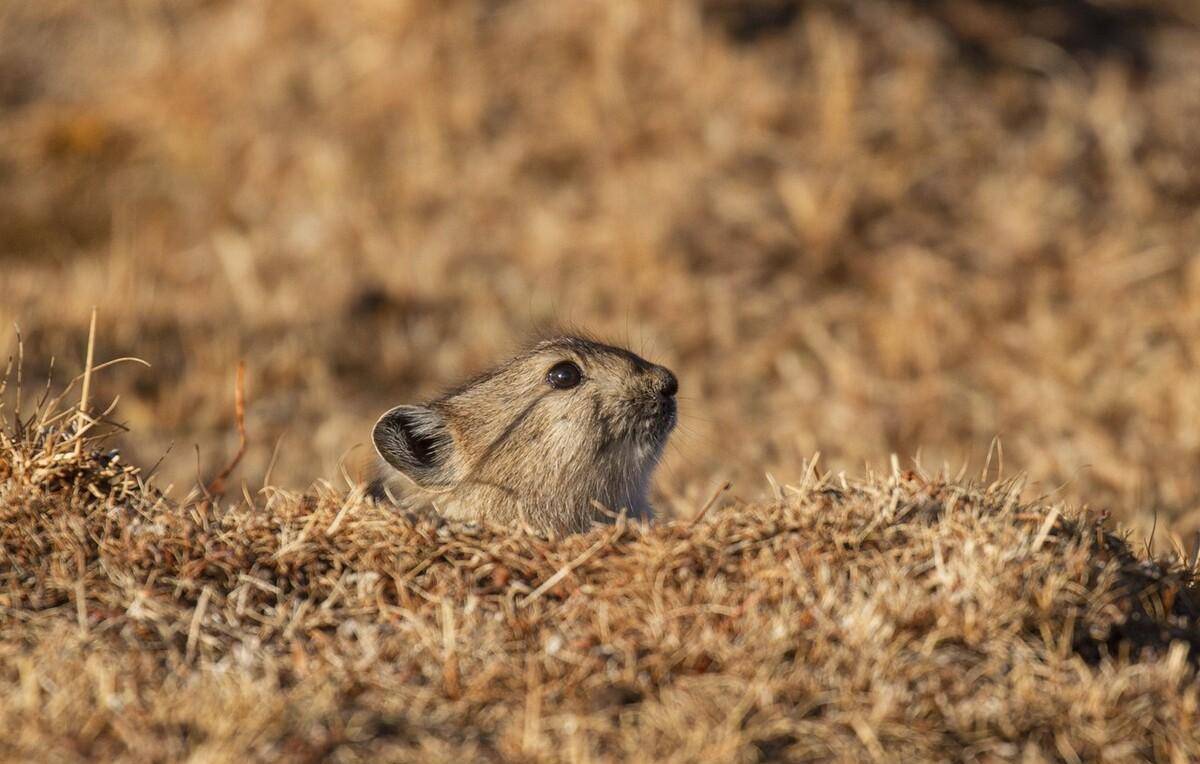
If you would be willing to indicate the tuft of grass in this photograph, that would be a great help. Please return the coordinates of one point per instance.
(901, 616)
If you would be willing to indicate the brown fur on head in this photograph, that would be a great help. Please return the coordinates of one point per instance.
(541, 439)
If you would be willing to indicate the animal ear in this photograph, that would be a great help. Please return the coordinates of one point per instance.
(416, 441)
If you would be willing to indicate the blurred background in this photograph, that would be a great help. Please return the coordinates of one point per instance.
(858, 227)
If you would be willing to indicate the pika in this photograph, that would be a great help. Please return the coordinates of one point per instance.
(544, 438)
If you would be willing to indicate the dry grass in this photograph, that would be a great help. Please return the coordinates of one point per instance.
(901, 617)
(853, 227)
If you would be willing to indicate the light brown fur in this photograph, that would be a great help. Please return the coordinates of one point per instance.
(509, 447)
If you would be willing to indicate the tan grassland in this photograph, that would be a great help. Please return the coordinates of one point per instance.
(856, 228)
(898, 618)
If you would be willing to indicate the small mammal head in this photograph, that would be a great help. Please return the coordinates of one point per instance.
(542, 438)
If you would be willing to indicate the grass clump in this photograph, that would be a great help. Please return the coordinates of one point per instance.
(895, 617)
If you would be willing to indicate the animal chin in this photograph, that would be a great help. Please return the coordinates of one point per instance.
(644, 434)
(652, 431)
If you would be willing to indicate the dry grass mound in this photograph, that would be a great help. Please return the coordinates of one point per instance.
(898, 617)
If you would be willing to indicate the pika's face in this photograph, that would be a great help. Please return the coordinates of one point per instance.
(568, 415)
(597, 400)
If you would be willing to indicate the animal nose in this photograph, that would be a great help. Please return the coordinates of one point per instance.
(668, 385)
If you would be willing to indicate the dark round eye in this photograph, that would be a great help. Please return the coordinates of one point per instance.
(564, 376)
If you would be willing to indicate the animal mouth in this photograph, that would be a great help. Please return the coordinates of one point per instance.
(658, 421)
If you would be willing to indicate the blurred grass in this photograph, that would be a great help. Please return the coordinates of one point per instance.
(851, 227)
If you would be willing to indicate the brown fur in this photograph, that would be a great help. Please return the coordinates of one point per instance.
(509, 447)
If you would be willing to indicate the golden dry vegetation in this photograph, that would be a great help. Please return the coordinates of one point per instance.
(898, 618)
(853, 227)
(857, 228)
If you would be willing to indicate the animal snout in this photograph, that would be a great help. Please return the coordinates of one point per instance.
(665, 382)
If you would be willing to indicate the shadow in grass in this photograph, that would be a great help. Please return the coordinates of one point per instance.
(988, 33)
